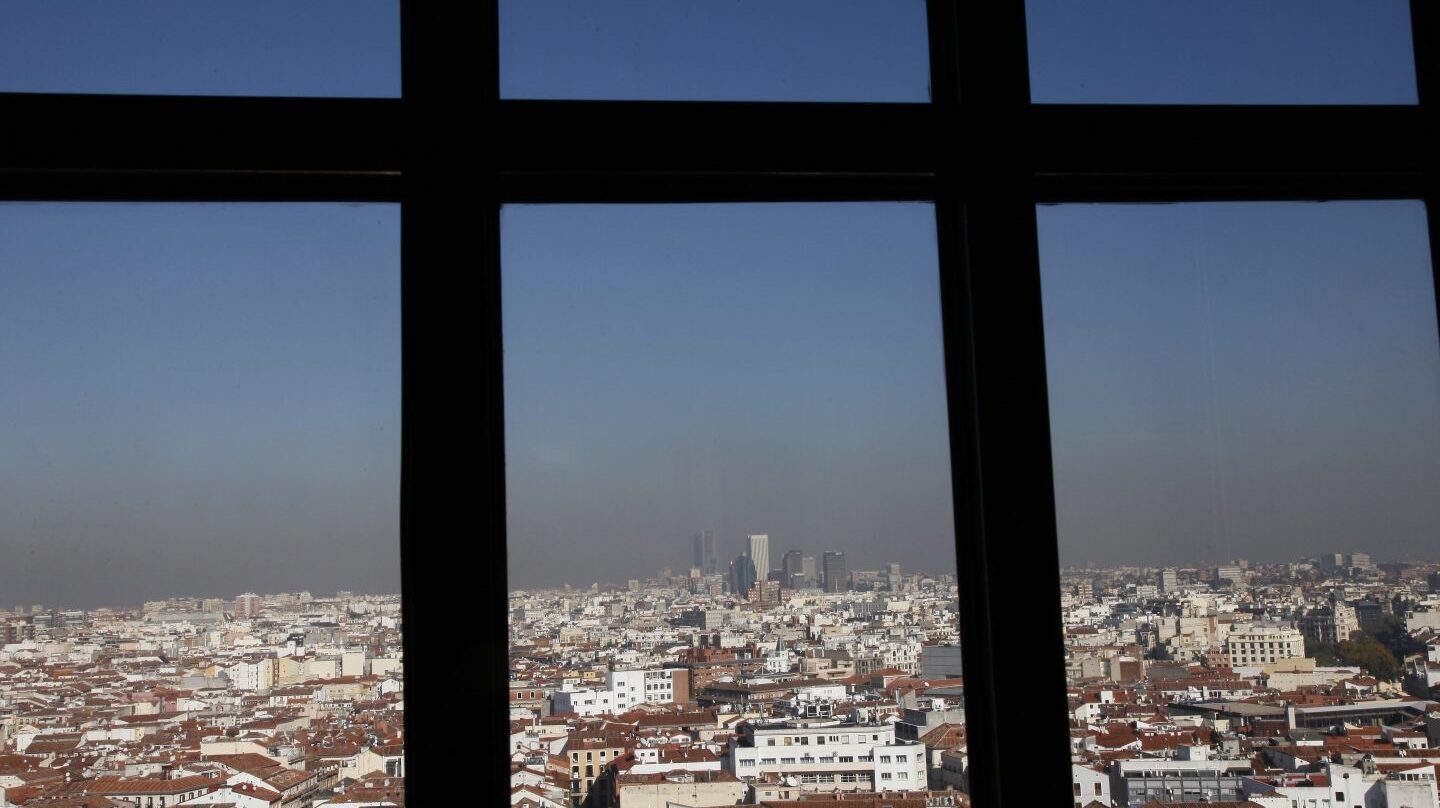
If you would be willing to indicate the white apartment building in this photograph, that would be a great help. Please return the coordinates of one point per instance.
(632, 687)
(1262, 645)
(583, 701)
(623, 690)
(828, 755)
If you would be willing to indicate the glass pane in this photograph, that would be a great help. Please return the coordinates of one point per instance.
(199, 495)
(1245, 404)
(344, 48)
(1222, 52)
(729, 493)
(736, 50)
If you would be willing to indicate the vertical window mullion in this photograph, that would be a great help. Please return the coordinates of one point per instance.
(1000, 425)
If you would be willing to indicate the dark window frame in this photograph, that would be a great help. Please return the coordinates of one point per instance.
(979, 151)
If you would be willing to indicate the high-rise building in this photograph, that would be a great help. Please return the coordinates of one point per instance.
(791, 566)
(836, 578)
(742, 574)
(703, 551)
(247, 606)
(807, 566)
(760, 554)
(1169, 581)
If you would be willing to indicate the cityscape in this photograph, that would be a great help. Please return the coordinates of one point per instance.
(1304, 683)
(285, 699)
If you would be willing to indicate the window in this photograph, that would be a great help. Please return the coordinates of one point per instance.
(979, 150)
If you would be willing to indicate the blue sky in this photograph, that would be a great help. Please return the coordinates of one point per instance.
(746, 368)
(1255, 380)
(215, 387)
(201, 47)
(198, 399)
(1110, 51)
(1113, 51)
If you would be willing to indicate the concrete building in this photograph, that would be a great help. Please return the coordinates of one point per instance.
(694, 789)
(759, 545)
(827, 755)
(1262, 645)
(703, 551)
(941, 662)
(247, 606)
(1334, 623)
(1191, 777)
(1169, 581)
(837, 579)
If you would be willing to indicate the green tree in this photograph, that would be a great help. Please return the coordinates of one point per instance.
(1364, 650)
(1325, 653)
(1396, 639)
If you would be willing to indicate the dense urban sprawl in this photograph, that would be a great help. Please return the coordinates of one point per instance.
(1307, 684)
(274, 701)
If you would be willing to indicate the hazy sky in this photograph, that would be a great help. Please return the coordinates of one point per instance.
(214, 389)
(197, 400)
(748, 368)
(1242, 380)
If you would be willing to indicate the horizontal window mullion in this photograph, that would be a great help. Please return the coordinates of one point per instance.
(182, 133)
(135, 185)
(1261, 141)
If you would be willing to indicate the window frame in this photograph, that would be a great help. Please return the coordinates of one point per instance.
(979, 151)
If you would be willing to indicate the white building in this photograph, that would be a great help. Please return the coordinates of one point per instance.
(1262, 645)
(828, 755)
(623, 691)
(760, 554)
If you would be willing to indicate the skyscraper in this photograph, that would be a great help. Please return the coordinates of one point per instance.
(760, 554)
(742, 574)
(703, 546)
(836, 578)
(792, 565)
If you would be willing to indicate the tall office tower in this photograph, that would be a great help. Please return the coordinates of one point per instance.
(836, 578)
(791, 566)
(247, 606)
(807, 566)
(760, 554)
(703, 546)
(1169, 581)
(742, 574)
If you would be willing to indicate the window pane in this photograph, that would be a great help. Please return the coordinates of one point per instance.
(199, 493)
(1223, 52)
(1245, 405)
(728, 490)
(348, 48)
(737, 50)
